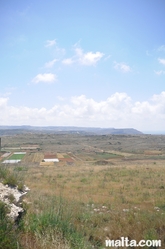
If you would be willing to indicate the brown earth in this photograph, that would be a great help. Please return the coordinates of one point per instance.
(50, 156)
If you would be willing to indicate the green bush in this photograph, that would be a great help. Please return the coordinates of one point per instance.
(10, 178)
(8, 235)
(7, 177)
(8, 231)
(20, 186)
(3, 173)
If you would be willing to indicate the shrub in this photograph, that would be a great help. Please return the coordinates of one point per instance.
(3, 173)
(8, 235)
(20, 186)
(12, 179)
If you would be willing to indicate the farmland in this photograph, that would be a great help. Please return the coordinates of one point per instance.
(103, 186)
(17, 156)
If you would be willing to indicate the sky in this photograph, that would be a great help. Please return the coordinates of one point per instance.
(87, 63)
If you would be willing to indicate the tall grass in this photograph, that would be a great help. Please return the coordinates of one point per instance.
(11, 178)
(54, 225)
(8, 233)
(130, 194)
(78, 207)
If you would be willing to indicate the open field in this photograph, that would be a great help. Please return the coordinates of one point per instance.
(17, 156)
(114, 187)
(33, 157)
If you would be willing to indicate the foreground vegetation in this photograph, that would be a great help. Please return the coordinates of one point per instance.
(8, 233)
(79, 207)
(102, 195)
(9, 238)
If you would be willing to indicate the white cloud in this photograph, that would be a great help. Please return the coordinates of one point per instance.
(68, 61)
(90, 58)
(159, 72)
(3, 102)
(57, 51)
(161, 48)
(118, 111)
(154, 108)
(162, 61)
(107, 58)
(148, 53)
(60, 98)
(50, 64)
(122, 67)
(46, 77)
(86, 59)
(50, 43)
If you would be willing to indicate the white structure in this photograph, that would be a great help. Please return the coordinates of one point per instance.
(11, 161)
(19, 153)
(51, 160)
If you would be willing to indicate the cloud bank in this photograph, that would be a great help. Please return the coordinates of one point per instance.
(117, 111)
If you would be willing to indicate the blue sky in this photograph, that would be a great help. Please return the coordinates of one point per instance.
(83, 63)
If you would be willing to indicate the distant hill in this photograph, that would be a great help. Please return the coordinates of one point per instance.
(9, 130)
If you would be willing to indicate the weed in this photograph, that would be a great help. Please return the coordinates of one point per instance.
(20, 186)
(150, 234)
(53, 222)
(3, 173)
(20, 168)
(7, 177)
(59, 176)
(11, 180)
(8, 234)
(84, 180)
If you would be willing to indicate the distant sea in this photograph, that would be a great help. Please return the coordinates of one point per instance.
(154, 132)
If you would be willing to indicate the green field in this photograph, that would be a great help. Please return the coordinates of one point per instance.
(104, 155)
(16, 156)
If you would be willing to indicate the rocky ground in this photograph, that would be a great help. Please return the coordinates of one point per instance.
(12, 197)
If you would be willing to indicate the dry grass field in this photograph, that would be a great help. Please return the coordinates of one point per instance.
(115, 186)
(33, 157)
